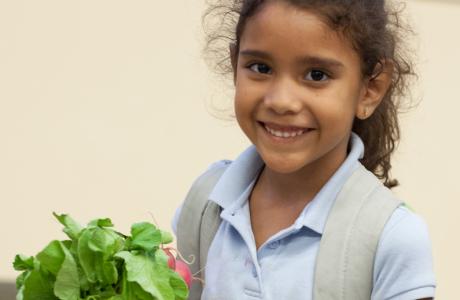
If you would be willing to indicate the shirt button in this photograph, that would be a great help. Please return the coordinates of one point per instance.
(274, 245)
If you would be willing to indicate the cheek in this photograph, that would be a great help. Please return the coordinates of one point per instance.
(240, 103)
(336, 109)
(247, 96)
(243, 110)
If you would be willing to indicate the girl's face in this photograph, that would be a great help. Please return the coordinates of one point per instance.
(298, 78)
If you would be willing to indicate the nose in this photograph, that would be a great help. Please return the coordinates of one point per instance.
(282, 97)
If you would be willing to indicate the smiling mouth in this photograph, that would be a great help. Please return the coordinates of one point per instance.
(288, 133)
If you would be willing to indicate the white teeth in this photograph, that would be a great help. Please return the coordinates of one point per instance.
(284, 134)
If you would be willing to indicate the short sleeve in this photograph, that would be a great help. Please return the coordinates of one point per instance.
(403, 267)
(175, 219)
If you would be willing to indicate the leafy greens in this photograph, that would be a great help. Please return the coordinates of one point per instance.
(99, 263)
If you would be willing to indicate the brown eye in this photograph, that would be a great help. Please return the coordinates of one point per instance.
(317, 75)
(260, 68)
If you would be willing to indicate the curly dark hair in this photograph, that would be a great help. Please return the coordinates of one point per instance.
(376, 32)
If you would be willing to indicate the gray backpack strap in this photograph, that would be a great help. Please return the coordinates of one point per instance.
(345, 261)
(198, 223)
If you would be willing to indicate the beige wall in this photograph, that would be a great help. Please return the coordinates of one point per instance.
(103, 112)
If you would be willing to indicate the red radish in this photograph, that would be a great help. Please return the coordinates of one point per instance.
(171, 259)
(184, 271)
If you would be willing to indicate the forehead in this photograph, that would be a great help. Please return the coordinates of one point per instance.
(290, 32)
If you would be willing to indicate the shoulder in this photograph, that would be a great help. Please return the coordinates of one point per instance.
(403, 267)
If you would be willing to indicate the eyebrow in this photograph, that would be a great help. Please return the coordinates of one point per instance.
(311, 60)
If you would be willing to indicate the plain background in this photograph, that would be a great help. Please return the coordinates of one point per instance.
(105, 112)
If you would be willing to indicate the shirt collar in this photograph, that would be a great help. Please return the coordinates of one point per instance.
(238, 176)
(242, 172)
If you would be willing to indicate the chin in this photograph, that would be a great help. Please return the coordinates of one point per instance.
(284, 165)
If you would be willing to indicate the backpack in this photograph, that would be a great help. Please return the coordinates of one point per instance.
(345, 260)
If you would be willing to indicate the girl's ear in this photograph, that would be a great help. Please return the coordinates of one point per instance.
(233, 59)
(375, 89)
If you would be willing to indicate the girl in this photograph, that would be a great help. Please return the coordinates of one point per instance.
(316, 90)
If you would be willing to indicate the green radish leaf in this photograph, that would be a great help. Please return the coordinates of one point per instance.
(179, 286)
(68, 244)
(22, 262)
(139, 293)
(106, 222)
(82, 279)
(96, 249)
(58, 260)
(133, 291)
(110, 273)
(67, 285)
(145, 236)
(20, 293)
(71, 228)
(51, 257)
(106, 241)
(161, 258)
(117, 297)
(20, 279)
(88, 258)
(152, 277)
(38, 285)
(166, 237)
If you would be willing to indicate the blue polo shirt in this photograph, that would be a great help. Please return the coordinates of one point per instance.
(283, 267)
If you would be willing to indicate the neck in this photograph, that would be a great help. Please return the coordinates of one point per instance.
(301, 185)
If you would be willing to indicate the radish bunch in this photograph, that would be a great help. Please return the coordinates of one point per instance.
(98, 262)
